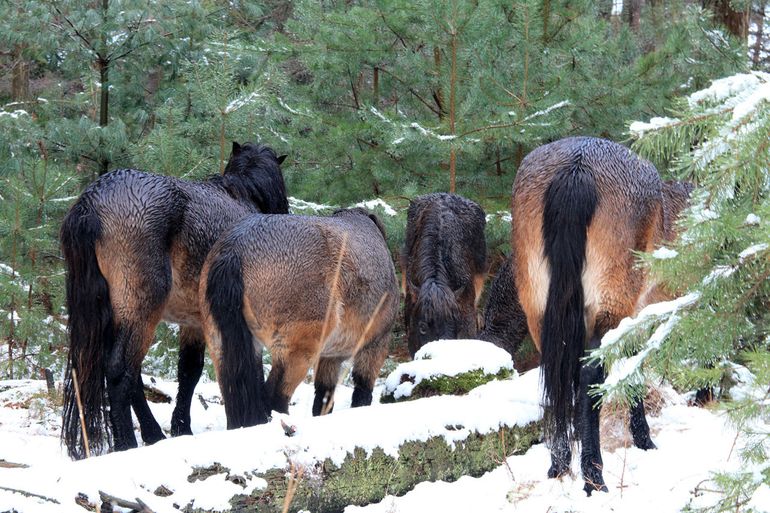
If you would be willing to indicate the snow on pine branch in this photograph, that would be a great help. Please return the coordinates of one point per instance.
(626, 370)
(241, 102)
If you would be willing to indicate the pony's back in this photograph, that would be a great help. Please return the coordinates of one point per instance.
(310, 289)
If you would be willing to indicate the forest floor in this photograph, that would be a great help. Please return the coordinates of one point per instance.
(692, 442)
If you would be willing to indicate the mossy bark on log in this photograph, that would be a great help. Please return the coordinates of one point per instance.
(460, 384)
(364, 479)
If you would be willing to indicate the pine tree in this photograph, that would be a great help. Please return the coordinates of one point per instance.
(409, 96)
(720, 267)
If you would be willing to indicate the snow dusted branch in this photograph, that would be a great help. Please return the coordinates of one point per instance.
(626, 371)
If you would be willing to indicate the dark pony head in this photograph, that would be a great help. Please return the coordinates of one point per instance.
(253, 175)
(436, 314)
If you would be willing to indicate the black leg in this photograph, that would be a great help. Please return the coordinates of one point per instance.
(561, 456)
(276, 400)
(324, 397)
(362, 393)
(189, 371)
(591, 456)
(121, 385)
(151, 431)
(327, 374)
(640, 431)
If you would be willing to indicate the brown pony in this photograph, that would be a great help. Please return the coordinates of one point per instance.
(315, 291)
(444, 263)
(134, 244)
(581, 206)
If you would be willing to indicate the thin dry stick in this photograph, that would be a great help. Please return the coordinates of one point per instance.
(329, 307)
(333, 290)
(291, 489)
(80, 411)
(330, 397)
(376, 311)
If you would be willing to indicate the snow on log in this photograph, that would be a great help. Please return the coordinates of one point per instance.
(447, 367)
(355, 456)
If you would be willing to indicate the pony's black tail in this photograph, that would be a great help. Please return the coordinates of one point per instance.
(240, 373)
(569, 206)
(91, 333)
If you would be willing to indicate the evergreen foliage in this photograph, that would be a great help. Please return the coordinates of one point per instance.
(368, 99)
(720, 266)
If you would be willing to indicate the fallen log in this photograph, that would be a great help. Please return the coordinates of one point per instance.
(352, 456)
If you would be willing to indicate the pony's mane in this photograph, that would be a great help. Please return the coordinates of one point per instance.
(437, 301)
(432, 253)
(253, 175)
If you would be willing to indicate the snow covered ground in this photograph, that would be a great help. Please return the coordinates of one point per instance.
(692, 443)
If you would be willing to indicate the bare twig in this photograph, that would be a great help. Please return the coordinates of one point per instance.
(29, 494)
(139, 506)
(333, 291)
(294, 479)
(80, 412)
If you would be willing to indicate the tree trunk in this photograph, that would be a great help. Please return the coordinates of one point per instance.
(104, 105)
(760, 21)
(635, 14)
(20, 80)
(103, 64)
(737, 22)
(438, 95)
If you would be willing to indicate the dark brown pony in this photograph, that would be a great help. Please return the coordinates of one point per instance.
(134, 244)
(315, 291)
(444, 263)
(581, 206)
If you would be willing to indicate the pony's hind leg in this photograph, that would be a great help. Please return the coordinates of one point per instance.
(588, 424)
(123, 375)
(189, 372)
(139, 287)
(327, 375)
(640, 430)
(366, 367)
(151, 431)
(289, 369)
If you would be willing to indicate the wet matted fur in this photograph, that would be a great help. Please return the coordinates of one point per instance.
(314, 291)
(581, 206)
(444, 263)
(134, 244)
(504, 322)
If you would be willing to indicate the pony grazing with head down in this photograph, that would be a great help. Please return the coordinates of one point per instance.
(581, 207)
(444, 263)
(134, 244)
(314, 291)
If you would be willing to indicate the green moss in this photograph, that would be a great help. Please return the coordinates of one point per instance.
(363, 479)
(449, 385)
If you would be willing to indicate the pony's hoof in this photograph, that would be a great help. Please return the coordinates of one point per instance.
(645, 445)
(592, 487)
(593, 479)
(153, 438)
(557, 471)
(181, 431)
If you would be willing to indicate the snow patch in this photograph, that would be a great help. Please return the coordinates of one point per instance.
(752, 220)
(664, 253)
(760, 499)
(15, 114)
(638, 128)
(296, 204)
(500, 214)
(751, 251)
(240, 102)
(377, 202)
(446, 358)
